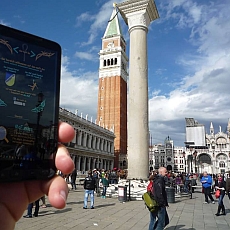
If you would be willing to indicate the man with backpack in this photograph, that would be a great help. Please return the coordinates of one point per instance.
(159, 218)
(89, 186)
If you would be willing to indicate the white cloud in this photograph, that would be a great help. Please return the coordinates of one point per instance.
(84, 17)
(100, 21)
(204, 92)
(78, 90)
(86, 56)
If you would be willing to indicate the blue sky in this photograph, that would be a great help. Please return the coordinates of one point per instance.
(188, 54)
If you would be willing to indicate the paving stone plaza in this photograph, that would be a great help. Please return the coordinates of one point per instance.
(110, 213)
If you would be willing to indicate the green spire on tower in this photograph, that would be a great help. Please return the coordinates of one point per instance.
(113, 27)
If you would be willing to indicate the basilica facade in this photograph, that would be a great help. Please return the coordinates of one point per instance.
(213, 156)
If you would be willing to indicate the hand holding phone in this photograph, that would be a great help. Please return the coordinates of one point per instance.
(13, 206)
(29, 105)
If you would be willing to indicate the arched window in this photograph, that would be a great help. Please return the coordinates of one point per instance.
(204, 158)
(115, 61)
(222, 164)
(111, 61)
(108, 62)
(104, 62)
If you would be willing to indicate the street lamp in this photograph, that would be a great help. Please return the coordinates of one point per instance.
(184, 162)
(195, 154)
(190, 157)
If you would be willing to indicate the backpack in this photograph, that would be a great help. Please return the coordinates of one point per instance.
(150, 201)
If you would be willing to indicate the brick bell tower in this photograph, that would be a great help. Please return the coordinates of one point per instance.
(112, 93)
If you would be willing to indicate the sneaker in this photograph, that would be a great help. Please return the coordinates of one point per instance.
(92, 207)
(205, 202)
(84, 207)
(35, 215)
(213, 202)
(27, 216)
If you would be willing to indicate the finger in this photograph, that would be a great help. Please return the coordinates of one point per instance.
(66, 132)
(57, 191)
(63, 161)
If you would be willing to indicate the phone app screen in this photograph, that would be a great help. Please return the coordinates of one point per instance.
(28, 101)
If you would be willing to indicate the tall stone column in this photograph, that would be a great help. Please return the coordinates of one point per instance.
(138, 14)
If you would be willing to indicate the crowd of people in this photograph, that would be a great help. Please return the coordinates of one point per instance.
(218, 185)
(113, 176)
(182, 182)
(96, 180)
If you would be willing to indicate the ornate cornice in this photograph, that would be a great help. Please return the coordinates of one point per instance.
(138, 12)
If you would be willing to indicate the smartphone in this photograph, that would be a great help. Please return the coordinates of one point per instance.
(29, 105)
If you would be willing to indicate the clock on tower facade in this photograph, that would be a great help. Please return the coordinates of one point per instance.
(169, 154)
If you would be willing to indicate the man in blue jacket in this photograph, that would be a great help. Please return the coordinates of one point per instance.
(206, 181)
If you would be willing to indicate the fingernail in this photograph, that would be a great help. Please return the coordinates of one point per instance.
(63, 195)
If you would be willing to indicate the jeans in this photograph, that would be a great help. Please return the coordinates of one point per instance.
(87, 193)
(162, 219)
(220, 200)
(73, 184)
(207, 193)
(113, 181)
(177, 188)
(104, 190)
(186, 189)
(30, 207)
(97, 184)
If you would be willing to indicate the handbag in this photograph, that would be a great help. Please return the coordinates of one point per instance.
(150, 202)
(217, 193)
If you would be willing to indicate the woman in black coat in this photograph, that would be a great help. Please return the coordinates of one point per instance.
(220, 185)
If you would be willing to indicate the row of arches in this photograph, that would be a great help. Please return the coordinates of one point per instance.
(92, 141)
(85, 163)
(219, 162)
(109, 62)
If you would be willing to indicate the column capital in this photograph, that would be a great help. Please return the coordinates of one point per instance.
(138, 12)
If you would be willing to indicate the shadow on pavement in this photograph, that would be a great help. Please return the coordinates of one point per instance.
(104, 205)
(178, 227)
(73, 202)
(46, 213)
(77, 190)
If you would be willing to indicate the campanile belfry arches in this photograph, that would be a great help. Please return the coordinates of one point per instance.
(138, 14)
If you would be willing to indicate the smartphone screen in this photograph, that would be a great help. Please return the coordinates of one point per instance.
(29, 105)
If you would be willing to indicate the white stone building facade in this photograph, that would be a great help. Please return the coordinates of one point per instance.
(92, 146)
